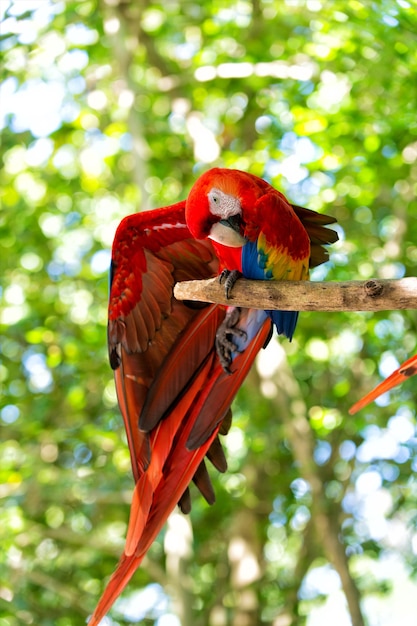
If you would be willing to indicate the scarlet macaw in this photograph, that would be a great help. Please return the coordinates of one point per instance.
(407, 369)
(174, 389)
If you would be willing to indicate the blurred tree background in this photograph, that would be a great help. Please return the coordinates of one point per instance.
(113, 106)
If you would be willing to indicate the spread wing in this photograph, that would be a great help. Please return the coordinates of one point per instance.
(173, 393)
(155, 342)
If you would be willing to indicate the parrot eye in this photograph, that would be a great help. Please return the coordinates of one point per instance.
(214, 198)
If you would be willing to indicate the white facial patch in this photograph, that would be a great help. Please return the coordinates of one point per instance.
(222, 204)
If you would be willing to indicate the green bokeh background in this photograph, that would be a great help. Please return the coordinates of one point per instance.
(113, 106)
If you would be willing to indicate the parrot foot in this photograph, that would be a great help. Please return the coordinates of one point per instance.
(225, 346)
(229, 278)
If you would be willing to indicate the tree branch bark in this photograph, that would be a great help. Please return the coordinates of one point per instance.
(355, 295)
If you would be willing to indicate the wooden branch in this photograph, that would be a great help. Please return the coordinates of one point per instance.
(355, 295)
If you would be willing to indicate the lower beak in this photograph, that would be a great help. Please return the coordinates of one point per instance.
(227, 233)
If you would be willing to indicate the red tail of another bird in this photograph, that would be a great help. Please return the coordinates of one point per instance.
(407, 369)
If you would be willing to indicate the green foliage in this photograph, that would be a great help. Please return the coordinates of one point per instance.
(110, 106)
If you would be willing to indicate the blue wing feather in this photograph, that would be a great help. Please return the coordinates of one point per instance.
(254, 268)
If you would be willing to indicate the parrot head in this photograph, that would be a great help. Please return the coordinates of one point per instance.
(216, 206)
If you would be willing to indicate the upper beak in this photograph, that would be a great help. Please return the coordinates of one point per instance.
(234, 222)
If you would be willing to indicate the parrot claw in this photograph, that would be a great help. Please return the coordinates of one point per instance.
(225, 346)
(229, 278)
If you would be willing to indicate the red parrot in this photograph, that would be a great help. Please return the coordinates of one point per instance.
(407, 369)
(174, 387)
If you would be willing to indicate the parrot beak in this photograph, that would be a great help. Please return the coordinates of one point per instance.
(234, 222)
(227, 232)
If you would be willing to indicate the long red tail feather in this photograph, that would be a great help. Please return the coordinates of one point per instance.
(407, 369)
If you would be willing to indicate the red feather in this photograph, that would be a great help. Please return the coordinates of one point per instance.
(407, 369)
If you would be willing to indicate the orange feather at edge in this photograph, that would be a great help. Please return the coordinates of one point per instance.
(407, 369)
